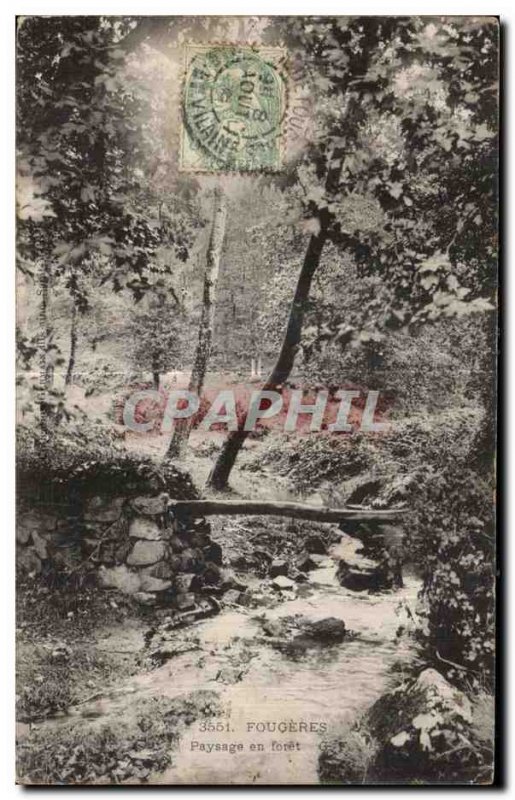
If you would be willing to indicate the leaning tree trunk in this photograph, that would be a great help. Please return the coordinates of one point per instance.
(283, 509)
(283, 366)
(219, 475)
(292, 337)
(205, 334)
(73, 347)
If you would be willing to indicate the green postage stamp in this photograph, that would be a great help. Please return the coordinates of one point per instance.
(234, 104)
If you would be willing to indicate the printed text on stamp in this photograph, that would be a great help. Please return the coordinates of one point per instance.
(233, 109)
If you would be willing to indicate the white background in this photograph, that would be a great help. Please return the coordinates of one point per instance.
(7, 318)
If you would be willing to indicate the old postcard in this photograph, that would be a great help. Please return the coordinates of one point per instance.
(256, 382)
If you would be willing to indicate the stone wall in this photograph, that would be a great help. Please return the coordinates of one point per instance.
(132, 544)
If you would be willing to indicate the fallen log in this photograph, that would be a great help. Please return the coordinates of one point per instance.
(207, 508)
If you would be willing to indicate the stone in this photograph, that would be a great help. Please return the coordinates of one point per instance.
(281, 582)
(211, 590)
(230, 581)
(23, 533)
(40, 546)
(38, 519)
(278, 567)
(123, 550)
(160, 570)
(260, 600)
(334, 535)
(57, 539)
(212, 574)
(200, 539)
(233, 596)
(184, 601)
(247, 598)
(300, 577)
(319, 560)
(174, 563)
(361, 578)
(108, 553)
(151, 506)
(27, 560)
(315, 544)
(305, 563)
(146, 552)
(35, 520)
(183, 582)
(121, 578)
(329, 630)
(177, 544)
(243, 562)
(102, 509)
(141, 528)
(150, 584)
(191, 560)
(214, 553)
(421, 726)
(145, 598)
(272, 627)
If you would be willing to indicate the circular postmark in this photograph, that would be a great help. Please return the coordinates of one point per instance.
(234, 108)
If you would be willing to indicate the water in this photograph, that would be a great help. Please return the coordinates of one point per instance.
(325, 688)
(313, 693)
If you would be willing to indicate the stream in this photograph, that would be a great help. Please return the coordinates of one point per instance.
(313, 692)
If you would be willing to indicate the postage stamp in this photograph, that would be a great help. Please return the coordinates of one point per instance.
(233, 108)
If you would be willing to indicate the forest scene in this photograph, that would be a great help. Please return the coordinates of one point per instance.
(235, 593)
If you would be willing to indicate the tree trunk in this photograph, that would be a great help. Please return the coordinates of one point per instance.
(73, 347)
(222, 469)
(293, 510)
(232, 445)
(155, 372)
(205, 334)
(283, 366)
(45, 369)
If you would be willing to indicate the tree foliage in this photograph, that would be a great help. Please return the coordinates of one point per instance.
(407, 115)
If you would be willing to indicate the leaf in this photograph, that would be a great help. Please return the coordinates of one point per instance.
(395, 189)
(482, 304)
(61, 248)
(311, 226)
(453, 283)
(438, 261)
(87, 194)
(483, 133)
(425, 741)
(428, 281)
(400, 739)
